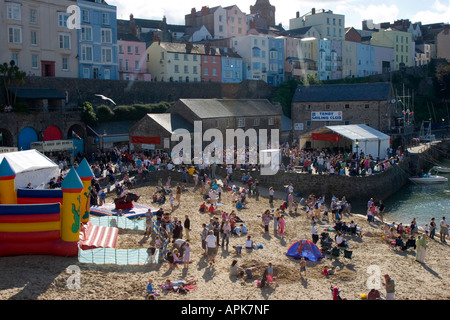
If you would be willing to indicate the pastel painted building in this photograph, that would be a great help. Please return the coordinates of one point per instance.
(275, 71)
(365, 55)
(236, 22)
(349, 59)
(211, 65)
(175, 62)
(35, 35)
(324, 59)
(336, 59)
(329, 24)
(97, 50)
(214, 19)
(254, 52)
(400, 41)
(384, 60)
(232, 66)
(132, 55)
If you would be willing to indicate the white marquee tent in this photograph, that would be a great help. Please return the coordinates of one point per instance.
(360, 136)
(31, 166)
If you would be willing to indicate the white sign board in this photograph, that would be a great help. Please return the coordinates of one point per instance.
(298, 127)
(148, 146)
(326, 116)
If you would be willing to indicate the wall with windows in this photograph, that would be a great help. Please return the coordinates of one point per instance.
(97, 52)
(132, 57)
(36, 37)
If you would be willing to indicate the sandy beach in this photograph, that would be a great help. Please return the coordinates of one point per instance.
(46, 277)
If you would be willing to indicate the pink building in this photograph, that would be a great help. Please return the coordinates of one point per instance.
(211, 65)
(132, 58)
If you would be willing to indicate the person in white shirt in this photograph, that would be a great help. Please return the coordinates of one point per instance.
(315, 234)
(211, 244)
(443, 229)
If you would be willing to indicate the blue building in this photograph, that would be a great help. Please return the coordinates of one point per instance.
(365, 57)
(232, 66)
(324, 59)
(97, 40)
(275, 72)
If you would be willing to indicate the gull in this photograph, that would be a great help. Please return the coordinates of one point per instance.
(106, 98)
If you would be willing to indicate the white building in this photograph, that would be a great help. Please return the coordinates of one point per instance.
(330, 25)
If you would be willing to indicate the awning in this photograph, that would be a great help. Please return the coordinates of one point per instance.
(37, 93)
(146, 140)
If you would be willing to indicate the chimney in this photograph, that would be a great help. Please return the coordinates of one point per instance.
(164, 20)
(189, 46)
(193, 13)
(297, 14)
(205, 10)
(313, 11)
(132, 25)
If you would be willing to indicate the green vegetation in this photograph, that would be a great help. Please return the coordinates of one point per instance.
(12, 77)
(120, 113)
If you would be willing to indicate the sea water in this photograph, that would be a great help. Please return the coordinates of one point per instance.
(422, 202)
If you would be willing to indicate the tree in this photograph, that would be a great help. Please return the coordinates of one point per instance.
(285, 93)
(104, 113)
(88, 115)
(443, 80)
(12, 77)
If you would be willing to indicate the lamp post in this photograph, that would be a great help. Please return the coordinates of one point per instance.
(357, 156)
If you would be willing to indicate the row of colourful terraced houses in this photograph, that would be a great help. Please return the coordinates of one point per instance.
(37, 35)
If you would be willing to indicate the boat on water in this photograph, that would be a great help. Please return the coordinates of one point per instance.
(441, 169)
(429, 179)
(447, 192)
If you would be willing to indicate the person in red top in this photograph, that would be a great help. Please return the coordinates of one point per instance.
(373, 294)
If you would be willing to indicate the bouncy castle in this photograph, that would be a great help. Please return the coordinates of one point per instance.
(44, 221)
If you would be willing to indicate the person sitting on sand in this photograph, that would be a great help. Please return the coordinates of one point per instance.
(249, 243)
(202, 208)
(236, 270)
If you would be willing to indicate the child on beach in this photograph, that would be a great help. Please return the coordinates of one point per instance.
(302, 267)
(158, 243)
(187, 255)
(281, 226)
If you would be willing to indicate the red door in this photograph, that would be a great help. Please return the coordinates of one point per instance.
(48, 68)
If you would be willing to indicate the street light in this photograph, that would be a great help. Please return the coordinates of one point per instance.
(357, 156)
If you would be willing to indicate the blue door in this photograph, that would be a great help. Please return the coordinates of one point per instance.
(26, 136)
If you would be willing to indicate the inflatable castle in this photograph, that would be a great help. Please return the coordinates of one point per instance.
(45, 221)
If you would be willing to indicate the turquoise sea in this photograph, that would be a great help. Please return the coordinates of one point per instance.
(420, 201)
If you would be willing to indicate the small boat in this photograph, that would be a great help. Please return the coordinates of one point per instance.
(447, 192)
(441, 169)
(429, 179)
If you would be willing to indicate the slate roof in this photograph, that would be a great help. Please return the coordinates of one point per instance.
(380, 91)
(171, 122)
(223, 108)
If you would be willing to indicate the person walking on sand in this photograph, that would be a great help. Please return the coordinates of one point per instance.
(421, 249)
(315, 233)
(187, 227)
(390, 287)
(187, 255)
(443, 232)
(211, 243)
(281, 226)
(432, 228)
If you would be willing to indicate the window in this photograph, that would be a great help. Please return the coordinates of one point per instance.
(86, 34)
(33, 16)
(14, 11)
(106, 55)
(129, 50)
(33, 38)
(186, 69)
(177, 69)
(85, 15)
(347, 106)
(34, 61)
(194, 70)
(205, 71)
(176, 56)
(186, 57)
(62, 20)
(105, 19)
(120, 49)
(241, 123)
(65, 63)
(346, 123)
(256, 122)
(136, 50)
(327, 107)
(214, 72)
(15, 34)
(194, 57)
(136, 65)
(308, 107)
(64, 41)
(86, 53)
(214, 59)
(366, 106)
(127, 65)
(205, 59)
(106, 36)
(256, 52)
(308, 123)
(15, 58)
(270, 122)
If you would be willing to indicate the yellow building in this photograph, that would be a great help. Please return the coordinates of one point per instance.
(400, 41)
(175, 62)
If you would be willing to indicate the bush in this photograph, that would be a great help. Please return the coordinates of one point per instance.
(123, 113)
(88, 115)
(105, 114)
(21, 107)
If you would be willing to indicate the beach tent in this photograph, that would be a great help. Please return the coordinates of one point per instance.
(31, 166)
(305, 249)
